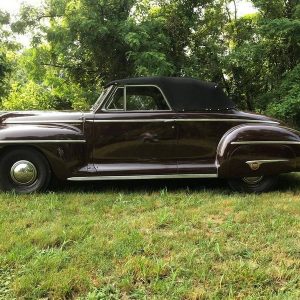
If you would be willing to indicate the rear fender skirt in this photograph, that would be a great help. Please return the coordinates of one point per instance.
(255, 150)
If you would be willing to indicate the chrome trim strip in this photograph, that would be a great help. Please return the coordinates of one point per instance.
(228, 120)
(125, 97)
(94, 178)
(266, 143)
(138, 120)
(40, 141)
(132, 121)
(256, 164)
(267, 161)
(43, 121)
(182, 120)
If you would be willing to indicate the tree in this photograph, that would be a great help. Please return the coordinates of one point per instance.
(5, 55)
(78, 45)
(287, 98)
(37, 86)
(279, 42)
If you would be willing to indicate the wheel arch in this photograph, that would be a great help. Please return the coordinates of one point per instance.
(51, 153)
(24, 169)
(7, 148)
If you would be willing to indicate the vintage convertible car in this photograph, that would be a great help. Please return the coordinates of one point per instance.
(147, 128)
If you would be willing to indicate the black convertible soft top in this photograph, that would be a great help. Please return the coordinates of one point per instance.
(185, 94)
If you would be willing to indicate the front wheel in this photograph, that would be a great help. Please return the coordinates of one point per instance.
(259, 184)
(24, 171)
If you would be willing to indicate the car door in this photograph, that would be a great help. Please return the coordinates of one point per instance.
(134, 133)
(198, 137)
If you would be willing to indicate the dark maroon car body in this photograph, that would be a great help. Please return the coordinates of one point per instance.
(105, 144)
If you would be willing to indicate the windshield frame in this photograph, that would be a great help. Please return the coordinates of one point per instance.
(101, 99)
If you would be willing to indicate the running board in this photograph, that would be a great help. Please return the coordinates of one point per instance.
(170, 176)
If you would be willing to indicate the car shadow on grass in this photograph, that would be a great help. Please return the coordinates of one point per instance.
(286, 182)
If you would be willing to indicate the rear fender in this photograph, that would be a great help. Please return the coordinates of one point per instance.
(255, 150)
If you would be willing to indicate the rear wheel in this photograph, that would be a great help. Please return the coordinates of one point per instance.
(259, 184)
(24, 171)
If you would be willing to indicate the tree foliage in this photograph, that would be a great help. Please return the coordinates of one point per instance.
(78, 45)
(5, 53)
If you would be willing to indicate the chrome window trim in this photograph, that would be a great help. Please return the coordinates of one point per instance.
(170, 176)
(109, 101)
(266, 143)
(40, 141)
(94, 108)
(125, 98)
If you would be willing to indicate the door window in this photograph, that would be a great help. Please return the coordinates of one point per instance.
(138, 98)
(145, 98)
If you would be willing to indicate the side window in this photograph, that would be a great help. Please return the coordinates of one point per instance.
(117, 102)
(145, 98)
(138, 98)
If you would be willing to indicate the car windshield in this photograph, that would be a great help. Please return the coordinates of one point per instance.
(103, 95)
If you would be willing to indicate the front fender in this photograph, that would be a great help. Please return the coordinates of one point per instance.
(39, 132)
(255, 150)
(63, 145)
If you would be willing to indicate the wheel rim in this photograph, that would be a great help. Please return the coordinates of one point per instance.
(23, 172)
(253, 180)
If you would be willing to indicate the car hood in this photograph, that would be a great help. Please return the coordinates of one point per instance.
(40, 116)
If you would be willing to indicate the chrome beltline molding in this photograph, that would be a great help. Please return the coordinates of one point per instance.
(43, 121)
(40, 141)
(136, 121)
(266, 143)
(170, 176)
(182, 120)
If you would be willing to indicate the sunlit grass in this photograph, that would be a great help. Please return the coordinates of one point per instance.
(151, 240)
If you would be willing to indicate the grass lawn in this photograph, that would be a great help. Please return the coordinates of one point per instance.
(151, 240)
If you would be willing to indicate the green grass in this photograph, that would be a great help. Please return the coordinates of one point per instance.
(151, 240)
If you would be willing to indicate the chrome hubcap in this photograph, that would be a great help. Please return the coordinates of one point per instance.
(23, 172)
(252, 180)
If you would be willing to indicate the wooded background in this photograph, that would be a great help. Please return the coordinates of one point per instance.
(79, 45)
